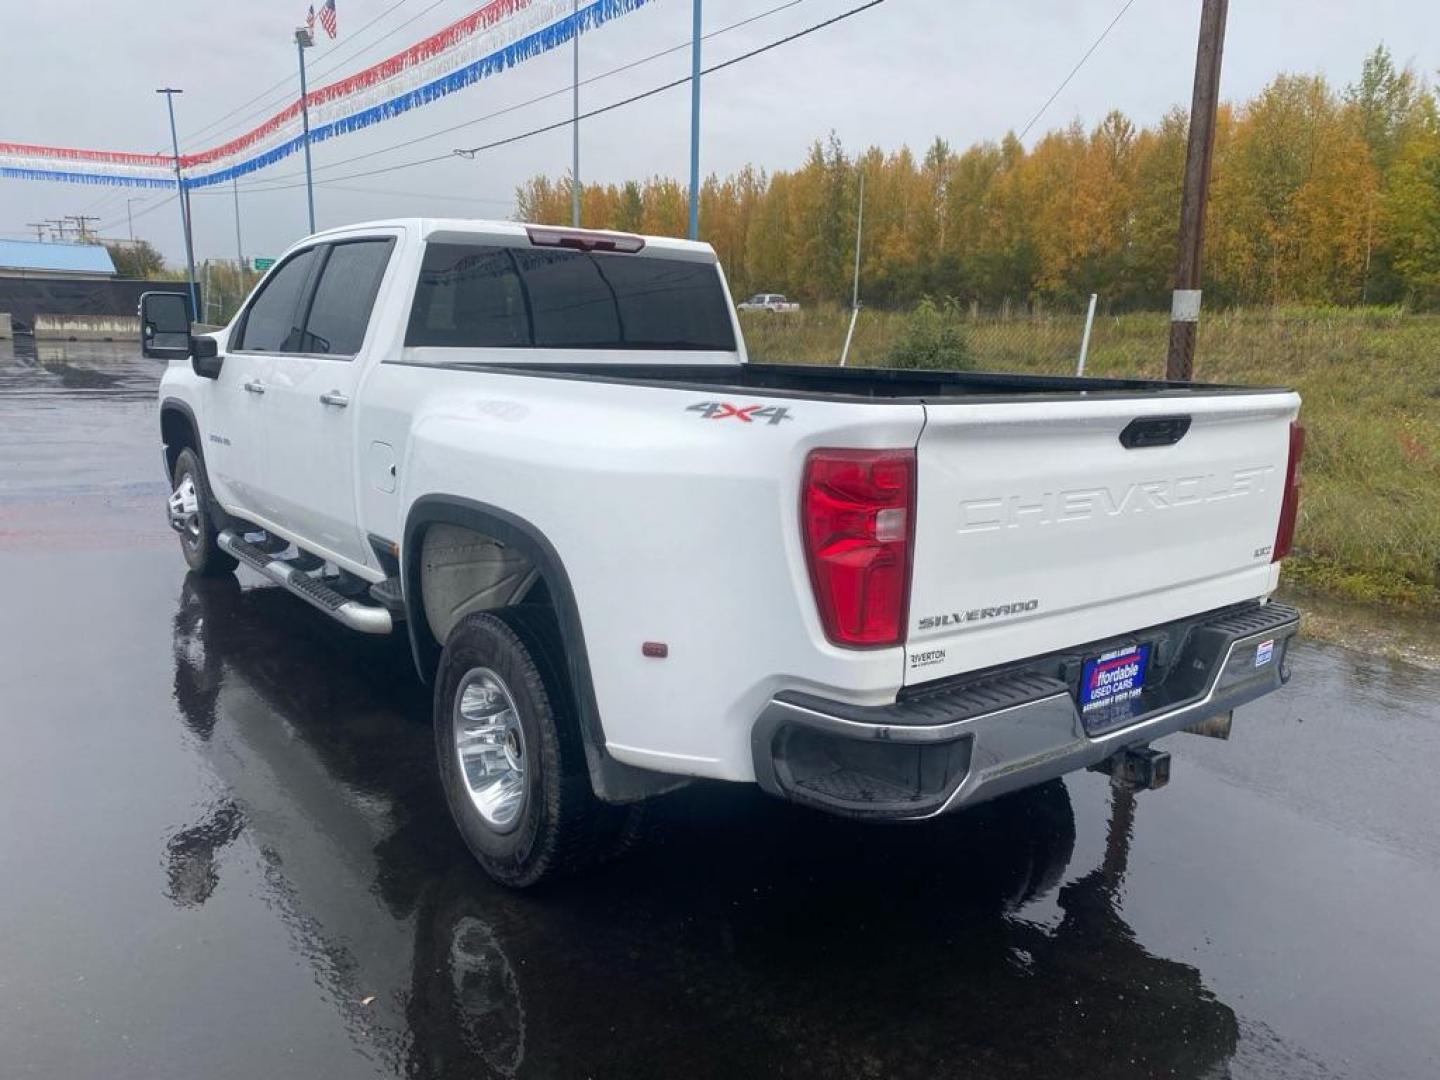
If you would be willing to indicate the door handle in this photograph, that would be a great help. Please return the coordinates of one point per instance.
(255, 387)
(334, 397)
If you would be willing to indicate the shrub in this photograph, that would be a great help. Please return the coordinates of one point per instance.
(933, 338)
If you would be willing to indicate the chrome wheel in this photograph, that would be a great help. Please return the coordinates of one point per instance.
(185, 510)
(490, 748)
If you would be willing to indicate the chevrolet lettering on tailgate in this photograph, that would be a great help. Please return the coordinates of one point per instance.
(1083, 504)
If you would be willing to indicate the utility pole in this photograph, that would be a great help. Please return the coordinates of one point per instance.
(1185, 302)
(304, 39)
(184, 203)
(83, 229)
(239, 247)
(694, 232)
(57, 226)
(129, 218)
(575, 124)
(39, 227)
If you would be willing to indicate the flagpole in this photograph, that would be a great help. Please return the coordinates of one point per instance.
(304, 38)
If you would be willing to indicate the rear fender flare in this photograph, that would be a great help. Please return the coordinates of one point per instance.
(612, 780)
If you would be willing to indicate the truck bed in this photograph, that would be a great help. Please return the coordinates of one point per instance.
(887, 384)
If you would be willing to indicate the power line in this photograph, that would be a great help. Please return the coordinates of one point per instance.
(108, 225)
(423, 195)
(632, 99)
(684, 79)
(191, 136)
(1066, 81)
(336, 62)
(106, 200)
(322, 70)
(269, 181)
(377, 191)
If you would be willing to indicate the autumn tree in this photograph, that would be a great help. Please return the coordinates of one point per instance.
(137, 260)
(1317, 196)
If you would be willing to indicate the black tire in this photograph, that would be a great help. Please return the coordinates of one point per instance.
(561, 827)
(197, 544)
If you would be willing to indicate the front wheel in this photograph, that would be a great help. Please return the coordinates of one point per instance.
(511, 759)
(192, 516)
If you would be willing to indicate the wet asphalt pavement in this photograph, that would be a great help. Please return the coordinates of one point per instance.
(223, 853)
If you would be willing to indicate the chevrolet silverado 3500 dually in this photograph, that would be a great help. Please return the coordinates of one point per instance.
(626, 556)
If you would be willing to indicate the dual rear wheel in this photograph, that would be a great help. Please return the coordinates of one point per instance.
(511, 758)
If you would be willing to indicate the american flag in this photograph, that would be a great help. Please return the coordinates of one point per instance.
(310, 21)
(327, 17)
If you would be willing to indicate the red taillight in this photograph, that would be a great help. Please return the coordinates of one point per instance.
(1290, 507)
(857, 512)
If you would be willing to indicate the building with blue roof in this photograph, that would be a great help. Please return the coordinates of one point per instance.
(32, 259)
(70, 292)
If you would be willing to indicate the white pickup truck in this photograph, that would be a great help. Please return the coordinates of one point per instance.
(627, 557)
(772, 302)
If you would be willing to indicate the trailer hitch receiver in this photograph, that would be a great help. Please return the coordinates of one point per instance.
(1139, 768)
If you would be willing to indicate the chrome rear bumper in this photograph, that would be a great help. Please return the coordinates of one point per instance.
(946, 747)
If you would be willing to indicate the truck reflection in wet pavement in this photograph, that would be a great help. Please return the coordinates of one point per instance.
(742, 935)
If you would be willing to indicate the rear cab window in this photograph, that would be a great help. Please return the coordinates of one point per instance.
(491, 296)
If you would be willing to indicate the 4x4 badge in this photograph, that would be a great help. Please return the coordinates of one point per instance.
(746, 414)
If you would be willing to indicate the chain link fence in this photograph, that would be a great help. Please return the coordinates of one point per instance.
(224, 287)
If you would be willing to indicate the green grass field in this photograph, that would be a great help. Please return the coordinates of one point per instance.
(1370, 379)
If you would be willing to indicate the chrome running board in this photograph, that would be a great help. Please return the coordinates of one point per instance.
(366, 618)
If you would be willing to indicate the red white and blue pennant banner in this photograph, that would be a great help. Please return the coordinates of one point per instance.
(487, 42)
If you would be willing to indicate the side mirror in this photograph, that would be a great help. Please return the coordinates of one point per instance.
(205, 357)
(164, 325)
(165, 334)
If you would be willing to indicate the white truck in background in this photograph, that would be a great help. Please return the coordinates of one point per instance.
(771, 302)
(627, 557)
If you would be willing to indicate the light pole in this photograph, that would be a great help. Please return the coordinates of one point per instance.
(239, 247)
(304, 39)
(694, 232)
(184, 202)
(575, 127)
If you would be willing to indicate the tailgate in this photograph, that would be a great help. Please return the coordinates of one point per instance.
(1037, 529)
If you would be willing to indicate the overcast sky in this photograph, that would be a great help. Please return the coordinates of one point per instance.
(82, 73)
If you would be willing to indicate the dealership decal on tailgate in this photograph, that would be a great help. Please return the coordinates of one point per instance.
(1115, 677)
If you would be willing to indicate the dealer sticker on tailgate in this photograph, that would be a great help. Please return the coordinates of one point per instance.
(1112, 678)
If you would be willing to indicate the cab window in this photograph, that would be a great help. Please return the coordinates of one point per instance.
(272, 322)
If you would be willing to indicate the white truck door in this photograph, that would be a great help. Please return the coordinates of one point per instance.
(237, 405)
(311, 442)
